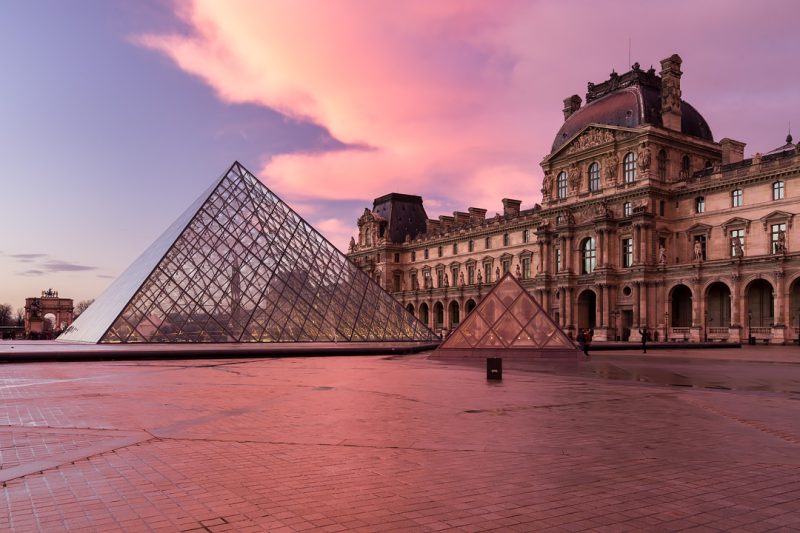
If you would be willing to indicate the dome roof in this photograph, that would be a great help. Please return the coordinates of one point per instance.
(631, 106)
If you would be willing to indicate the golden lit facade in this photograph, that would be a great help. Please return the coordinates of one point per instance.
(646, 222)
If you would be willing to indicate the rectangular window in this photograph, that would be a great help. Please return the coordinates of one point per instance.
(700, 204)
(557, 259)
(487, 272)
(439, 251)
(488, 243)
(454, 276)
(427, 278)
(414, 281)
(396, 282)
(526, 235)
(471, 246)
(661, 208)
(396, 258)
(526, 267)
(471, 275)
(426, 253)
(455, 248)
(737, 242)
(778, 190)
(413, 256)
(627, 253)
(506, 240)
(506, 265)
(736, 198)
(778, 237)
(440, 278)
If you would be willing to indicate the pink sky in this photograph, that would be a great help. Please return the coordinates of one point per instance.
(455, 101)
(458, 101)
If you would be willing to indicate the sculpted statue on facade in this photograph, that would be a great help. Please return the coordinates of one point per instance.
(547, 184)
(643, 158)
(738, 247)
(574, 176)
(446, 280)
(698, 250)
(352, 246)
(662, 255)
(610, 165)
(518, 272)
(496, 273)
(461, 282)
(780, 244)
(480, 277)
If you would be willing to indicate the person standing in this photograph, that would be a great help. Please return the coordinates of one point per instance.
(645, 334)
(582, 342)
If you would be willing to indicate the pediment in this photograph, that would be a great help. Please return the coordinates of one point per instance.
(734, 222)
(591, 136)
(699, 228)
(778, 216)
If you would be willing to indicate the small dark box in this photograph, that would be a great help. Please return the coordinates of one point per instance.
(494, 368)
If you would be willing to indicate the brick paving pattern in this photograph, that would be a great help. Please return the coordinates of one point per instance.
(383, 444)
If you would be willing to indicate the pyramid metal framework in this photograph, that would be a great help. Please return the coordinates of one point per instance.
(508, 320)
(241, 266)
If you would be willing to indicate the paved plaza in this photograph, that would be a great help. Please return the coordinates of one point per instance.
(388, 443)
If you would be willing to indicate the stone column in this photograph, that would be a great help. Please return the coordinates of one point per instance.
(540, 246)
(637, 246)
(569, 307)
(637, 304)
(598, 308)
(601, 245)
(562, 305)
(695, 334)
(607, 306)
(643, 305)
(779, 328)
(568, 255)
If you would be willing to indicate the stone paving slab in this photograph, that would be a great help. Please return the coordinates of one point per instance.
(383, 444)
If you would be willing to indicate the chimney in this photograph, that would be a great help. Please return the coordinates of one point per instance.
(732, 151)
(461, 218)
(446, 222)
(511, 207)
(477, 215)
(571, 104)
(671, 92)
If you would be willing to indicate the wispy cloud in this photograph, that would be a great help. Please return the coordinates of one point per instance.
(41, 264)
(27, 258)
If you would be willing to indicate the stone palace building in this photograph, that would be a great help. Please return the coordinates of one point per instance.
(645, 222)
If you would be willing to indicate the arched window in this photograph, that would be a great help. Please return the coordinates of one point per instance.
(778, 190)
(561, 184)
(737, 197)
(629, 167)
(589, 255)
(627, 209)
(594, 177)
(661, 163)
(700, 204)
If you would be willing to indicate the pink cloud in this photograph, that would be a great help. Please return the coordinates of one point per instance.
(459, 101)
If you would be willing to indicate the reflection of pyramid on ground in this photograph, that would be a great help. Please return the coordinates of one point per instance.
(240, 266)
(508, 321)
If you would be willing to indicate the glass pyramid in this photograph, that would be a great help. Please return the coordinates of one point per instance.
(508, 318)
(240, 266)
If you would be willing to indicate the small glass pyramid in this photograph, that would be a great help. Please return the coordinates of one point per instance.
(240, 266)
(508, 318)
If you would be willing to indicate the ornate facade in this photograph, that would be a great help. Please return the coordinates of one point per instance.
(645, 222)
